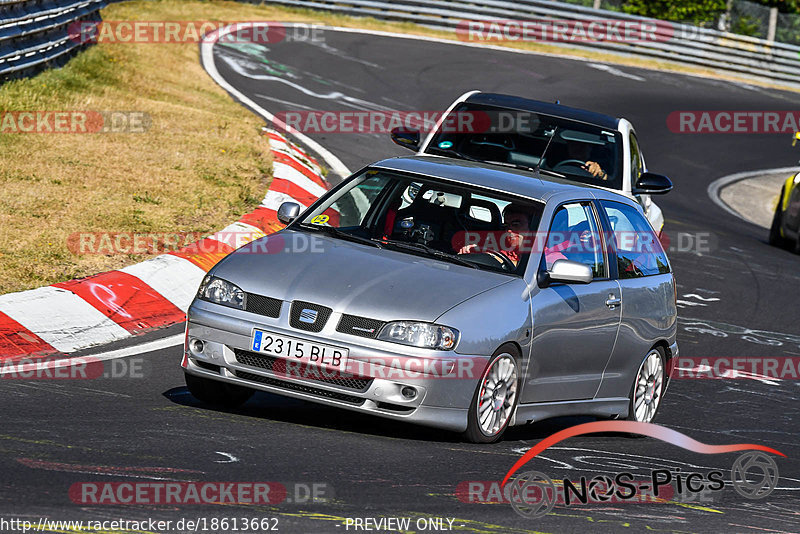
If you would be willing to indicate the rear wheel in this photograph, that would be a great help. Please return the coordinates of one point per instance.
(796, 247)
(775, 237)
(495, 398)
(217, 393)
(648, 387)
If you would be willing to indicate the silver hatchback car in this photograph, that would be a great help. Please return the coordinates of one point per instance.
(447, 293)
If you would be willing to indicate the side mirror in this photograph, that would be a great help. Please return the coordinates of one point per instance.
(568, 272)
(652, 184)
(406, 138)
(288, 212)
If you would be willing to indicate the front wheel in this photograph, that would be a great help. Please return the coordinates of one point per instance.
(217, 393)
(648, 387)
(495, 399)
(775, 236)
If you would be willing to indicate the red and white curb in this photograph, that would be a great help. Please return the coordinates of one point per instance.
(70, 316)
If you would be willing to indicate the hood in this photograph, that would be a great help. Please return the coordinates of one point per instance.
(353, 278)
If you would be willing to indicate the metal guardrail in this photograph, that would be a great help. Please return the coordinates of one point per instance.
(36, 34)
(676, 42)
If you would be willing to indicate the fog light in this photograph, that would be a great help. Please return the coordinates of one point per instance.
(196, 346)
(408, 392)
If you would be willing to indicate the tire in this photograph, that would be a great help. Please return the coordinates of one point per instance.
(796, 247)
(495, 405)
(775, 237)
(217, 393)
(648, 386)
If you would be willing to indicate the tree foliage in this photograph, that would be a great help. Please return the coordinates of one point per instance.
(678, 10)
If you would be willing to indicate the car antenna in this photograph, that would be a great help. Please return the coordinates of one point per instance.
(536, 172)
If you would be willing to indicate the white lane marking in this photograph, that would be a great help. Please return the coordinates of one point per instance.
(144, 348)
(173, 277)
(716, 187)
(616, 72)
(689, 303)
(231, 458)
(293, 105)
(729, 373)
(207, 59)
(290, 174)
(698, 297)
(293, 151)
(61, 318)
(237, 234)
(338, 96)
(273, 200)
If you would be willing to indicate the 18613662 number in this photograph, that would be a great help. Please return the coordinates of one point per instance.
(235, 524)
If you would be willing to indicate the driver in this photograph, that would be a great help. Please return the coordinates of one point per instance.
(515, 222)
(582, 152)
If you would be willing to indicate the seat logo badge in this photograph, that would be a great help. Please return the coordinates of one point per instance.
(308, 316)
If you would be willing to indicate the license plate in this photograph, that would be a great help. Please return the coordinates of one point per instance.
(299, 350)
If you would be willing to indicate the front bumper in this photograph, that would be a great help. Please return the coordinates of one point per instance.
(373, 383)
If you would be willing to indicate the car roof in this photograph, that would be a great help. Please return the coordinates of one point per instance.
(546, 108)
(504, 179)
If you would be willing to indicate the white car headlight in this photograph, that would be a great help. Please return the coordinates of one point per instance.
(220, 291)
(425, 335)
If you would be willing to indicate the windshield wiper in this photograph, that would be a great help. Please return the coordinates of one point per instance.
(419, 247)
(335, 232)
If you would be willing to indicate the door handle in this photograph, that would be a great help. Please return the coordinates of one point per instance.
(613, 301)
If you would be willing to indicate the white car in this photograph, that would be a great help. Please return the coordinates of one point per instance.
(547, 138)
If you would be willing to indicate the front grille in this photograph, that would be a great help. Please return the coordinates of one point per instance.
(359, 326)
(300, 371)
(262, 305)
(307, 316)
(294, 386)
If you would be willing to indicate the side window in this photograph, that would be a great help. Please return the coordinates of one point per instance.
(639, 252)
(574, 236)
(351, 208)
(636, 160)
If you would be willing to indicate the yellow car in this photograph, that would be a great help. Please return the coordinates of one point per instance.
(785, 229)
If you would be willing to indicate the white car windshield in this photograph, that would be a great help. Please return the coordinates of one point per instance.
(577, 151)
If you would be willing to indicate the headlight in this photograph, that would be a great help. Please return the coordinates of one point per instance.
(219, 291)
(425, 335)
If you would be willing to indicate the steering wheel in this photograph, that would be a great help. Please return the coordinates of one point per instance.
(507, 264)
(572, 163)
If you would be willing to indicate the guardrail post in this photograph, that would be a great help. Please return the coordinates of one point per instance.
(596, 4)
(773, 24)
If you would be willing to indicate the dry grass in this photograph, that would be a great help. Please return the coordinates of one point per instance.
(200, 166)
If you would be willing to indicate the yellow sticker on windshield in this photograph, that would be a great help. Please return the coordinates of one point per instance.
(320, 219)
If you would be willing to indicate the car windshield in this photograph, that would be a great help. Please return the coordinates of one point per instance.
(450, 222)
(578, 151)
